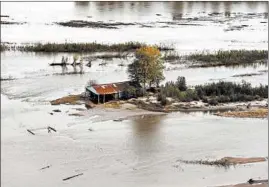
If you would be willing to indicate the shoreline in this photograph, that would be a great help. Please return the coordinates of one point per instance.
(134, 107)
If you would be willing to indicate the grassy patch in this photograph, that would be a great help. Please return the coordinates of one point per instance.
(172, 56)
(255, 113)
(92, 24)
(3, 47)
(71, 99)
(233, 57)
(87, 47)
(107, 56)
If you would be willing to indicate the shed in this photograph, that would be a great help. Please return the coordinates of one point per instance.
(106, 92)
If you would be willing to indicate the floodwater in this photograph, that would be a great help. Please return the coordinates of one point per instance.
(137, 152)
(210, 35)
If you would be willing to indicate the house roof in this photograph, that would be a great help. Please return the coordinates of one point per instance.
(111, 88)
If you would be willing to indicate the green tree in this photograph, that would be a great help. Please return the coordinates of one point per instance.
(147, 68)
(181, 83)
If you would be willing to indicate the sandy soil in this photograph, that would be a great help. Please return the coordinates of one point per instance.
(150, 106)
(124, 112)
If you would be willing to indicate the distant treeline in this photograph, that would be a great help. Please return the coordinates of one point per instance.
(232, 57)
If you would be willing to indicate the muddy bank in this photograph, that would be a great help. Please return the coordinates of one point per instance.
(11, 23)
(71, 99)
(256, 183)
(152, 105)
(247, 75)
(117, 25)
(248, 113)
(226, 161)
(91, 24)
(116, 112)
(7, 79)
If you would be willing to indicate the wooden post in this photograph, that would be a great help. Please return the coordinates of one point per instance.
(98, 98)
(104, 98)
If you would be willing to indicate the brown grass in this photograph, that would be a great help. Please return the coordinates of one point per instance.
(237, 160)
(112, 104)
(255, 113)
(226, 161)
(71, 99)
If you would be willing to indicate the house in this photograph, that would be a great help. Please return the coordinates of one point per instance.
(106, 92)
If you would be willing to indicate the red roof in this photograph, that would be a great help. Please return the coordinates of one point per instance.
(109, 88)
(104, 89)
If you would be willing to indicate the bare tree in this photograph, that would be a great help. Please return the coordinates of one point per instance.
(91, 82)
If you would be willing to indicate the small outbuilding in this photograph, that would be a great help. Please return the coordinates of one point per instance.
(107, 92)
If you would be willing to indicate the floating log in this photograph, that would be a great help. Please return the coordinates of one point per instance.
(65, 64)
(251, 181)
(76, 64)
(89, 64)
(118, 120)
(56, 110)
(72, 177)
(59, 64)
(30, 132)
(52, 129)
(45, 167)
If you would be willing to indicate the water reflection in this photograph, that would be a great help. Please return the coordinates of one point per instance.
(251, 4)
(147, 135)
(81, 7)
(82, 3)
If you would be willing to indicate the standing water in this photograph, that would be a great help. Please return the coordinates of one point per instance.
(134, 152)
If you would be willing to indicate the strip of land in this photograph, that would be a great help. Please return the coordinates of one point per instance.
(226, 161)
(84, 47)
(261, 112)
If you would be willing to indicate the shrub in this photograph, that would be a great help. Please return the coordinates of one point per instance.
(229, 91)
(163, 101)
(232, 57)
(223, 99)
(213, 101)
(181, 83)
(162, 98)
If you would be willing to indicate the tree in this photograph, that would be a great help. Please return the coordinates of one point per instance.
(147, 67)
(91, 82)
(181, 83)
(75, 58)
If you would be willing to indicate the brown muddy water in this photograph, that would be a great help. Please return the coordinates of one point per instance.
(134, 152)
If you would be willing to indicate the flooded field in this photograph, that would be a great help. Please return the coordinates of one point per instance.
(140, 151)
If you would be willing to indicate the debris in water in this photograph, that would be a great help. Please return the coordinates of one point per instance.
(251, 181)
(118, 120)
(30, 132)
(72, 177)
(45, 167)
(56, 110)
(50, 128)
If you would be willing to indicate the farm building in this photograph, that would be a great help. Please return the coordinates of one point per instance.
(102, 93)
